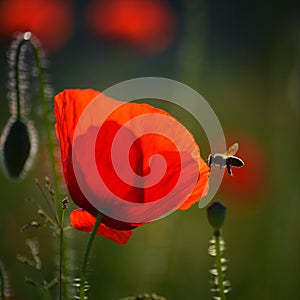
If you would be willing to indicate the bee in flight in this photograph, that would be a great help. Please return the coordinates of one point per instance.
(226, 159)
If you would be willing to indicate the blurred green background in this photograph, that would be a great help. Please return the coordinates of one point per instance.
(243, 57)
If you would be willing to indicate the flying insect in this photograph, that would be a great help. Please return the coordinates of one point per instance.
(227, 159)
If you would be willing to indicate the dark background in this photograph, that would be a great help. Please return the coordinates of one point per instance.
(243, 58)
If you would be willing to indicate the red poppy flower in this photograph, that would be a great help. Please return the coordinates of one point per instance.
(148, 26)
(69, 107)
(246, 187)
(51, 21)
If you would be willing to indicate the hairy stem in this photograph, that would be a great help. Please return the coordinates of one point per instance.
(51, 152)
(17, 77)
(218, 264)
(48, 126)
(61, 255)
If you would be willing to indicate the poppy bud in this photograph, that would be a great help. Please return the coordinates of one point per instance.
(17, 147)
(216, 214)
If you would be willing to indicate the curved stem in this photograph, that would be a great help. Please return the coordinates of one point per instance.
(17, 78)
(51, 152)
(48, 126)
(86, 256)
(219, 264)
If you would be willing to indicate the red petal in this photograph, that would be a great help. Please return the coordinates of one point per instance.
(69, 106)
(84, 221)
(146, 146)
(201, 187)
(156, 144)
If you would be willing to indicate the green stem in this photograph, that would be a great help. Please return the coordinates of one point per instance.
(61, 254)
(86, 256)
(218, 264)
(17, 78)
(49, 127)
(51, 152)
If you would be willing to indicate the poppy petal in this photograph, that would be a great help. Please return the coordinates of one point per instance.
(201, 187)
(84, 221)
(69, 107)
(149, 145)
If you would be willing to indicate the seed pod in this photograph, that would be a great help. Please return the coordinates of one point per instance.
(17, 147)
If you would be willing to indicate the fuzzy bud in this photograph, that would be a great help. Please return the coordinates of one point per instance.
(17, 147)
(216, 214)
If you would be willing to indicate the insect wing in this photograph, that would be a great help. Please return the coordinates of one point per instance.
(232, 149)
(235, 161)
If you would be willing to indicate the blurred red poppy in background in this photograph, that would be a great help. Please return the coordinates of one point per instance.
(148, 26)
(69, 106)
(245, 188)
(51, 21)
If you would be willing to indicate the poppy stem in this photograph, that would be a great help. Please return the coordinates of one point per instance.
(218, 264)
(61, 255)
(48, 124)
(86, 256)
(15, 65)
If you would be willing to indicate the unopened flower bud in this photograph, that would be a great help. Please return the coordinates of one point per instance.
(216, 214)
(17, 147)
